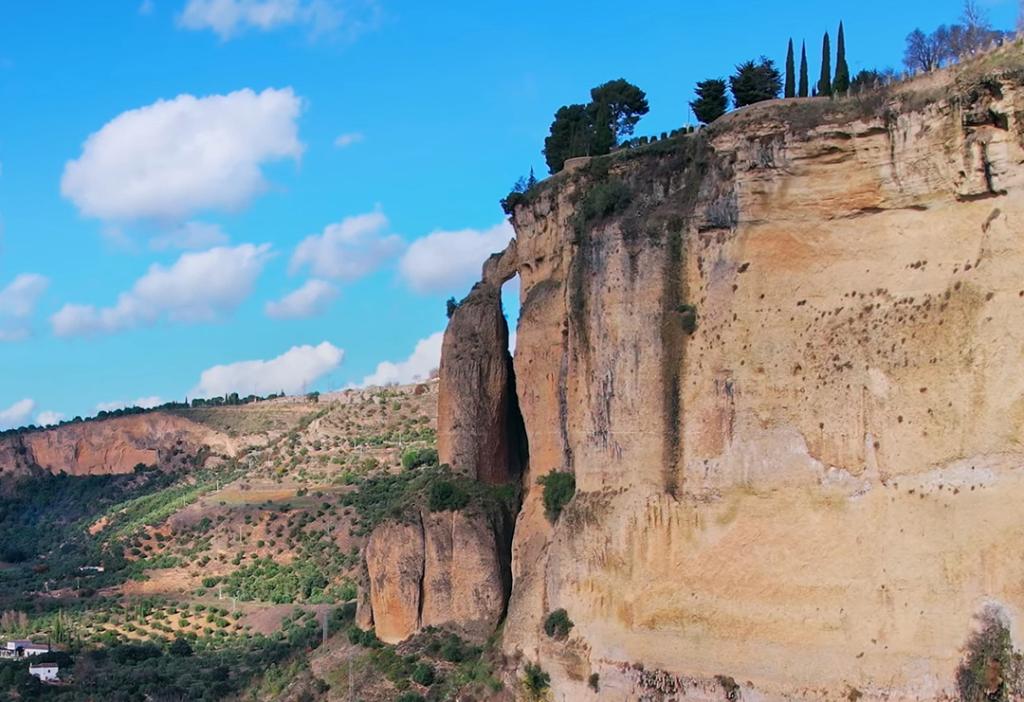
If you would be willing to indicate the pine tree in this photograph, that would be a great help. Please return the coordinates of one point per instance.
(825, 82)
(711, 102)
(841, 85)
(790, 72)
(804, 89)
(755, 81)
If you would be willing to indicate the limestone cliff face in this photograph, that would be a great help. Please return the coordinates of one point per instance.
(815, 491)
(479, 425)
(109, 446)
(444, 569)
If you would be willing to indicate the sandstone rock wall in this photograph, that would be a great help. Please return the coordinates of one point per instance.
(109, 446)
(443, 569)
(814, 493)
(479, 426)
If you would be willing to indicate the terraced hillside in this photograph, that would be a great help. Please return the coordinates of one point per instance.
(215, 573)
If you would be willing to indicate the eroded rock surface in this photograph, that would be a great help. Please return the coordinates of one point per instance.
(479, 427)
(110, 446)
(444, 569)
(812, 493)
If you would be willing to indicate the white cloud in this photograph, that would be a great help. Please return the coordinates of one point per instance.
(146, 7)
(17, 303)
(190, 235)
(309, 300)
(229, 18)
(198, 287)
(294, 371)
(143, 402)
(176, 157)
(348, 139)
(17, 414)
(348, 250)
(48, 418)
(425, 359)
(447, 260)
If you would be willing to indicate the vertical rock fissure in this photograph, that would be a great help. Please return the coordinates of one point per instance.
(673, 342)
(519, 459)
(518, 443)
(423, 572)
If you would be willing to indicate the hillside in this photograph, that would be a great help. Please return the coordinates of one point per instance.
(224, 528)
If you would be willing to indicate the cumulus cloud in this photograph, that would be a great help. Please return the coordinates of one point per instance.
(176, 157)
(190, 235)
(229, 18)
(447, 260)
(17, 414)
(425, 359)
(349, 249)
(17, 304)
(309, 300)
(48, 418)
(294, 371)
(198, 287)
(348, 139)
(143, 402)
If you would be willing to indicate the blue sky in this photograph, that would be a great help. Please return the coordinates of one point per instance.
(171, 170)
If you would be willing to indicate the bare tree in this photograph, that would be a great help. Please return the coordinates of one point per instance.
(948, 44)
(975, 32)
(923, 52)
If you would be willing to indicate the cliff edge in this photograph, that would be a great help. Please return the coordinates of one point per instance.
(781, 357)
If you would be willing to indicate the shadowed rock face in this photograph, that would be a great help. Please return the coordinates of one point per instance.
(814, 491)
(479, 426)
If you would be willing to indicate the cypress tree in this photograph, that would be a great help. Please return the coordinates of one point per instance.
(841, 85)
(825, 82)
(804, 90)
(790, 73)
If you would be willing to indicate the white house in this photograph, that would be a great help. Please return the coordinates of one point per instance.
(19, 648)
(46, 672)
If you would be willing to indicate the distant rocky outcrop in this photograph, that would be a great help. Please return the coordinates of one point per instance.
(110, 446)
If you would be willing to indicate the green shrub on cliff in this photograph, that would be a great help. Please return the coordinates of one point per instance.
(557, 624)
(535, 681)
(423, 674)
(414, 458)
(603, 200)
(446, 496)
(559, 488)
(991, 670)
(400, 497)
